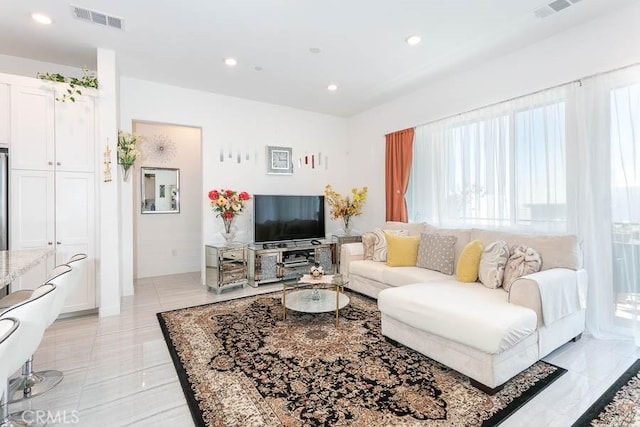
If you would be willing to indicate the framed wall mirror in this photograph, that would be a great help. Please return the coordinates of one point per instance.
(159, 190)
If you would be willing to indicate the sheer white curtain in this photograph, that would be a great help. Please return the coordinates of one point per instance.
(498, 167)
(563, 160)
(608, 199)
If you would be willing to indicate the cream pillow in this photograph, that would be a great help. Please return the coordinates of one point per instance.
(368, 242)
(523, 260)
(492, 264)
(437, 252)
(402, 251)
(380, 244)
(469, 261)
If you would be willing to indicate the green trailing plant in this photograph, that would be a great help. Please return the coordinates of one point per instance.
(75, 84)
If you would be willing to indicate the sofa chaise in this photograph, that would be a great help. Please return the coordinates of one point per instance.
(490, 335)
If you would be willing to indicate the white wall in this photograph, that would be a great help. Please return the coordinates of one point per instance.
(247, 126)
(169, 243)
(31, 67)
(606, 43)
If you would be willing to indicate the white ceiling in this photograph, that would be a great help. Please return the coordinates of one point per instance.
(362, 45)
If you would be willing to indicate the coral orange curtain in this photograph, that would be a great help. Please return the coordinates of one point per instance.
(398, 156)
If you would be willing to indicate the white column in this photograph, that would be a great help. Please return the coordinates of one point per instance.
(109, 192)
(126, 224)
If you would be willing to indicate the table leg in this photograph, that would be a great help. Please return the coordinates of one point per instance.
(284, 303)
(337, 304)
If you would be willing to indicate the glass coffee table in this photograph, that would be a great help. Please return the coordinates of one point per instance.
(311, 295)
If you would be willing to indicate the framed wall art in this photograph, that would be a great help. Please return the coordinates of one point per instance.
(279, 161)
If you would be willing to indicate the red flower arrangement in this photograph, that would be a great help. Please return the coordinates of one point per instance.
(227, 204)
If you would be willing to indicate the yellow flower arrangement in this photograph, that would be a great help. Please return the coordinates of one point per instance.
(345, 207)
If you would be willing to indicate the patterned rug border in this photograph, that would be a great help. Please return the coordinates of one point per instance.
(197, 415)
(607, 397)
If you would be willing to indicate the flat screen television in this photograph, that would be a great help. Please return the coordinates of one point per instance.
(279, 218)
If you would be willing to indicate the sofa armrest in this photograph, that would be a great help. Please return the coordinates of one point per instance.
(552, 293)
(350, 252)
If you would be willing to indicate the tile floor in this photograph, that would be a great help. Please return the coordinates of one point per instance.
(118, 371)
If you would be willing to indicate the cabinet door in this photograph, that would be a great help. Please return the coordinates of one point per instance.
(4, 114)
(32, 128)
(75, 233)
(31, 219)
(75, 135)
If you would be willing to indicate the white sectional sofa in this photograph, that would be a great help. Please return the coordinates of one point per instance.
(490, 335)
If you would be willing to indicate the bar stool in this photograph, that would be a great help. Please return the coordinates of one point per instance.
(9, 337)
(19, 296)
(32, 325)
(30, 384)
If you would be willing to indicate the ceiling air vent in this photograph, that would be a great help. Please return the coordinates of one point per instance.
(96, 17)
(553, 7)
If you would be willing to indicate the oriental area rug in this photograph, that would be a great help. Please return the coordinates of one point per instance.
(240, 364)
(619, 405)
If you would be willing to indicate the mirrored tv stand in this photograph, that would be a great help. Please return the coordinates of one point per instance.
(283, 261)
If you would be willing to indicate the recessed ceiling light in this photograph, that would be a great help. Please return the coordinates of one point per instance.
(230, 62)
(332, 87)
(41, 19)
(314, 50)
(257, 68)
(413, 40)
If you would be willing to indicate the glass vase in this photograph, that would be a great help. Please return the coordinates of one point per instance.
(228, 233)
(346, 225)
(126, 171)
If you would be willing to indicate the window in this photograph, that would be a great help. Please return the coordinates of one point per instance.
(504, 168)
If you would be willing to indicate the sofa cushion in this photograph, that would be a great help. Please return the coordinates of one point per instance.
(522, 261)
(556, 251)
(492, 264)
(380, 244)
(472, 315)
(368, 243)
(436, 252)
(412, 228)
(370, 269)
(462, 235)
(467, 268)
(400, 276)
(402, 251)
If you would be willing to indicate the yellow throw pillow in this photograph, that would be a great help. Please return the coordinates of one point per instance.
(469, 262)
(402, 251)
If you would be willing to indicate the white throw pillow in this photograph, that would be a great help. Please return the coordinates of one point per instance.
(380, 244)
(523, 260)
(492, 264)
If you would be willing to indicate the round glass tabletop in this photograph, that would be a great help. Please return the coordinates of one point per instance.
(315, 300)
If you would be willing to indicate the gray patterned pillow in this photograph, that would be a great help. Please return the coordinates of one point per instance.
(523, 260)
(492, 264)
(380, 244)
(368, 241)
(437, 252)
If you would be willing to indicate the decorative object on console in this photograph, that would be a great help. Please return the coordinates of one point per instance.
(316, 271)
(87, 80)
(160, 148)
(107, 164)
(228, 204)
(127, 151)
(279, 161)
(345, 207)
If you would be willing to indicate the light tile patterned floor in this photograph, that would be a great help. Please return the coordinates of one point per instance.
(118, 371)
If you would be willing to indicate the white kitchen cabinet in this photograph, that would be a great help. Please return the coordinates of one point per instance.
(32, 128)
(52, 183)
(51, 135)
(5, 117)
